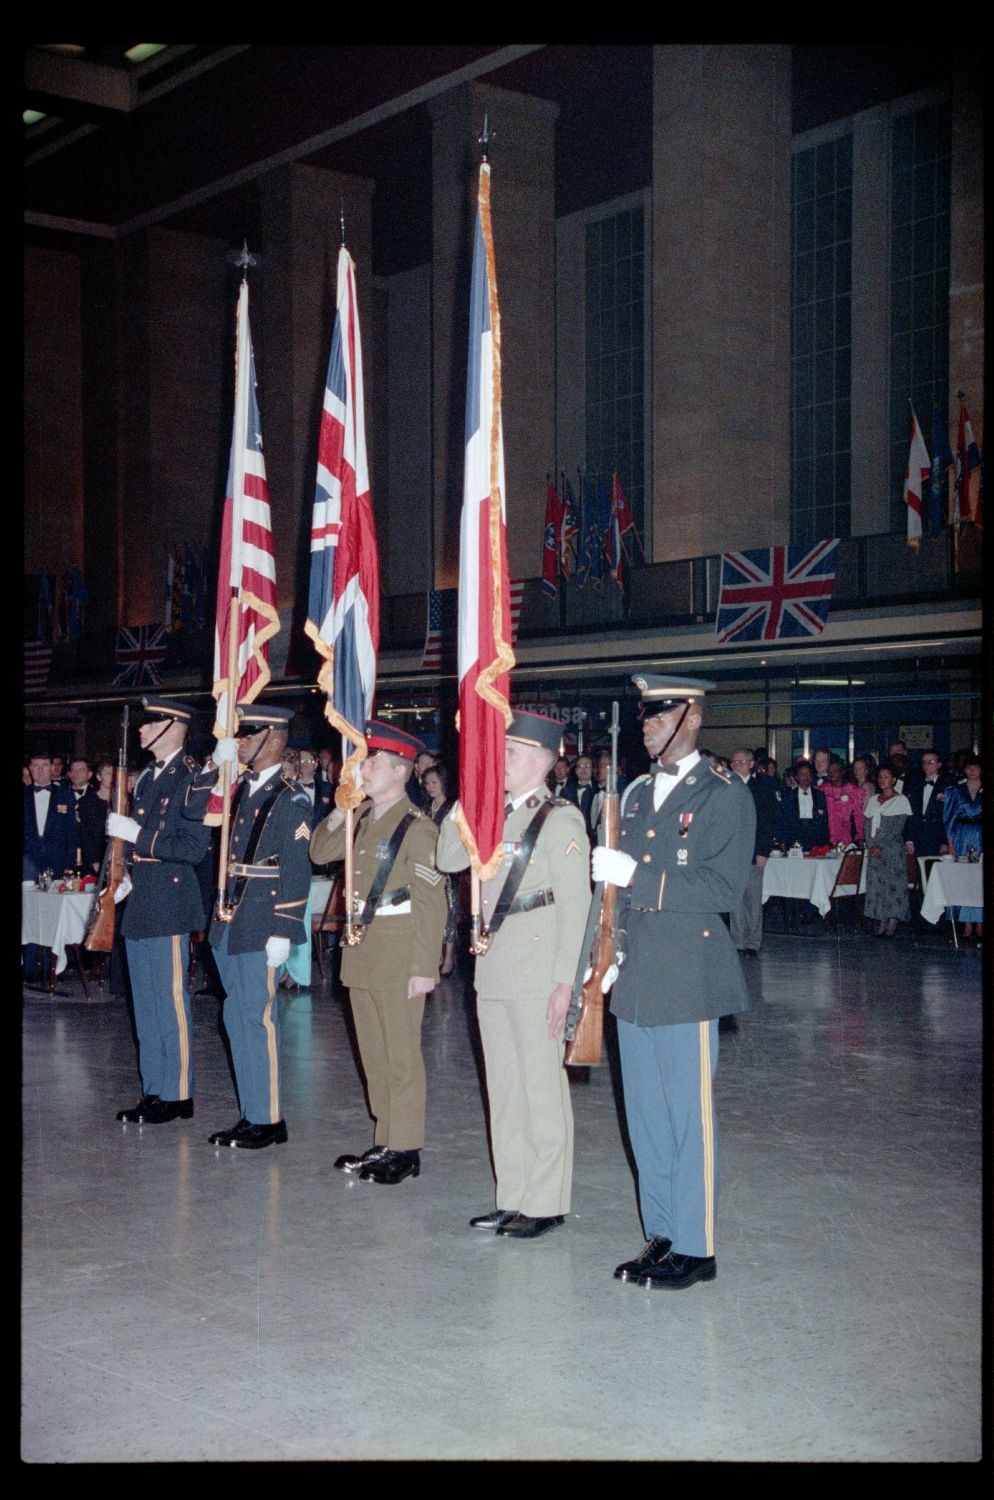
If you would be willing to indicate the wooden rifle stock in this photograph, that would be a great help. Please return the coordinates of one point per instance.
(100, 932)
(586, 1034)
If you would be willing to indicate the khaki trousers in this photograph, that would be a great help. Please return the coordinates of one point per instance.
(531, 1119)
(388, 1029)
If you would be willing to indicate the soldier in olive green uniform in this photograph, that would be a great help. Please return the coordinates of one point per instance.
(524, 983)
(395, 965)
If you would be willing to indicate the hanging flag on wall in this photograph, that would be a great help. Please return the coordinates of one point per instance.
(37, 660)
(343, 606)
(441, 627)
(551, 542)
(485, 654)
(916, 481)
(968, 473)
(942, 462)
(141, 650)
(775, 593)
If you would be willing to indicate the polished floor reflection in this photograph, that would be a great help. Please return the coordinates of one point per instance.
(183, 1303)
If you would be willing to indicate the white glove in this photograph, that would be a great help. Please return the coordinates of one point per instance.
(122, 889)
(612, 866)
(277, 952)
(120, 827)
(610, 973)
(225, 750)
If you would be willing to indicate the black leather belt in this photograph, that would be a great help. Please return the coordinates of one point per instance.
(531, 902)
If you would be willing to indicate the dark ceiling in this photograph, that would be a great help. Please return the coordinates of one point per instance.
(182, 137)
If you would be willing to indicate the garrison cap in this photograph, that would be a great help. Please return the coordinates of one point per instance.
(536, 729)
(661, 694)
(397, 741)
(252, 717)
(154, 709)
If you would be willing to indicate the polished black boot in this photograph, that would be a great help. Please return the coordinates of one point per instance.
(654, 1251)
(140, 1113)
(354, 1164)
(392, 1167)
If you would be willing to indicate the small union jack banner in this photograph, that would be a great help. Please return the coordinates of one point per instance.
(775, 593)
(140, 650)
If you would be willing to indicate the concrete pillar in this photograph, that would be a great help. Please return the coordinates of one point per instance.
(966, 268)
(721, 298)
(871, 301)
(523, 215)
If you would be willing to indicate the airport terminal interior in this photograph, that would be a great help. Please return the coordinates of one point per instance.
(184, 1303)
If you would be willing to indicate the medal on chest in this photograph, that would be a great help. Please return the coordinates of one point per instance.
(683, 828)
(383, 850)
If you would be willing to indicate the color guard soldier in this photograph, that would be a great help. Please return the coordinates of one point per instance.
(268, 882)
(167, 841)
(389, 972)
(536, 907)
(686, 835)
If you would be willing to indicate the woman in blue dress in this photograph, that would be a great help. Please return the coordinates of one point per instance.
(963, 814)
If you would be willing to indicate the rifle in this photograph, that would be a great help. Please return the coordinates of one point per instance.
(585, 1019)
(100, 929)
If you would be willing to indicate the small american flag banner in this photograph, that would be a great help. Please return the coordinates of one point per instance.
(516, 590)
(37, 659)
(775, 593)
(140, 650)
(440, 637)
(431, 659)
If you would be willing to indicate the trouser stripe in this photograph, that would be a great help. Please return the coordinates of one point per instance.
(274, 1066)
(707, 1134)
(179, 1007)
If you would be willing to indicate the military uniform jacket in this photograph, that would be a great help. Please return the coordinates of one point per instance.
(692, 863)
(166, 895)
(532, 951)
(397, 946)
(274, 900)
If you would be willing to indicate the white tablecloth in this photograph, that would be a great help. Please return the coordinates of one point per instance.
(805, 879)
(54, 921)
(952, 884)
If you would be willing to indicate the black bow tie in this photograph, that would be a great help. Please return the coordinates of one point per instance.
(667, 768)
(159, 764)
(37, 789)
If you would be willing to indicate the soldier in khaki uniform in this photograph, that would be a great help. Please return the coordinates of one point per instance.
(525, 980)
(395, 965)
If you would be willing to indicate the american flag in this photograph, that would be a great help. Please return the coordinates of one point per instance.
(775, 593)
(343, 607)
(966, 493)
(246, 580)
(441, 633)
(140, 650)
(37, 659)
(485, 655)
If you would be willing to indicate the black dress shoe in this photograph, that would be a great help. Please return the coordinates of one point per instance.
(355, 1164)
(252, 1137)
(679, 1271)
(139, 1114)
(161, 1111)
(727, 1025)
(392, 1167)
(654, 1251)
(496, 1220)
(522, 1227)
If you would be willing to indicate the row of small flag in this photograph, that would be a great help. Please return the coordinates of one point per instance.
(584, 538)
(924, 478)
(60, 606)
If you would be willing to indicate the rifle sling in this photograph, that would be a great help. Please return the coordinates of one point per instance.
(383, 874)
(506, 904)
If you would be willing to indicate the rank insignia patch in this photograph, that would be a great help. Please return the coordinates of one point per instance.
(302, 831)
(572, 847)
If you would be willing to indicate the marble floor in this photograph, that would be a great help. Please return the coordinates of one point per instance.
(182, 1303)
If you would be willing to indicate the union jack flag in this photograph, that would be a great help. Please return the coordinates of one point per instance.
(343, 608)
(140, 649)
(775, 593)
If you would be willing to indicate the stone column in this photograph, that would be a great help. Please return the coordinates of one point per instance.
(966, 251)
(720, 298)
(523, 214)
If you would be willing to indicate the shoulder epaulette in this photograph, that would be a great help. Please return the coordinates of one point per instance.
(193, 766)
(725, 776)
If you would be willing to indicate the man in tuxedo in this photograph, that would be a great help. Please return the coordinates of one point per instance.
(802, 817)
(747, 919)
(51, 836)
(926, 832)
(320, 792)
(91, 813)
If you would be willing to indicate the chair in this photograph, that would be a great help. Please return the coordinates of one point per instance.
(846, 887)
(330, 919)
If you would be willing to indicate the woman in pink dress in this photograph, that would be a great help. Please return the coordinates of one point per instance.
(864, 779)
(845, 804)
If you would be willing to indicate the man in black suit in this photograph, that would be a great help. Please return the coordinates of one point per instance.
(747, 920)
(91, 813)
(321, 793)
(583, 770)
(802, 817)
(926, 830)
(50, 828)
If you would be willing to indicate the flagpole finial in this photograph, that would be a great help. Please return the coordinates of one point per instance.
(486, 137)
(341, 218)
(243, 258)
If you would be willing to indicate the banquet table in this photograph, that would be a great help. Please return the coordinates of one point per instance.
(952, 883)
(808, 879)
(57, 921)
